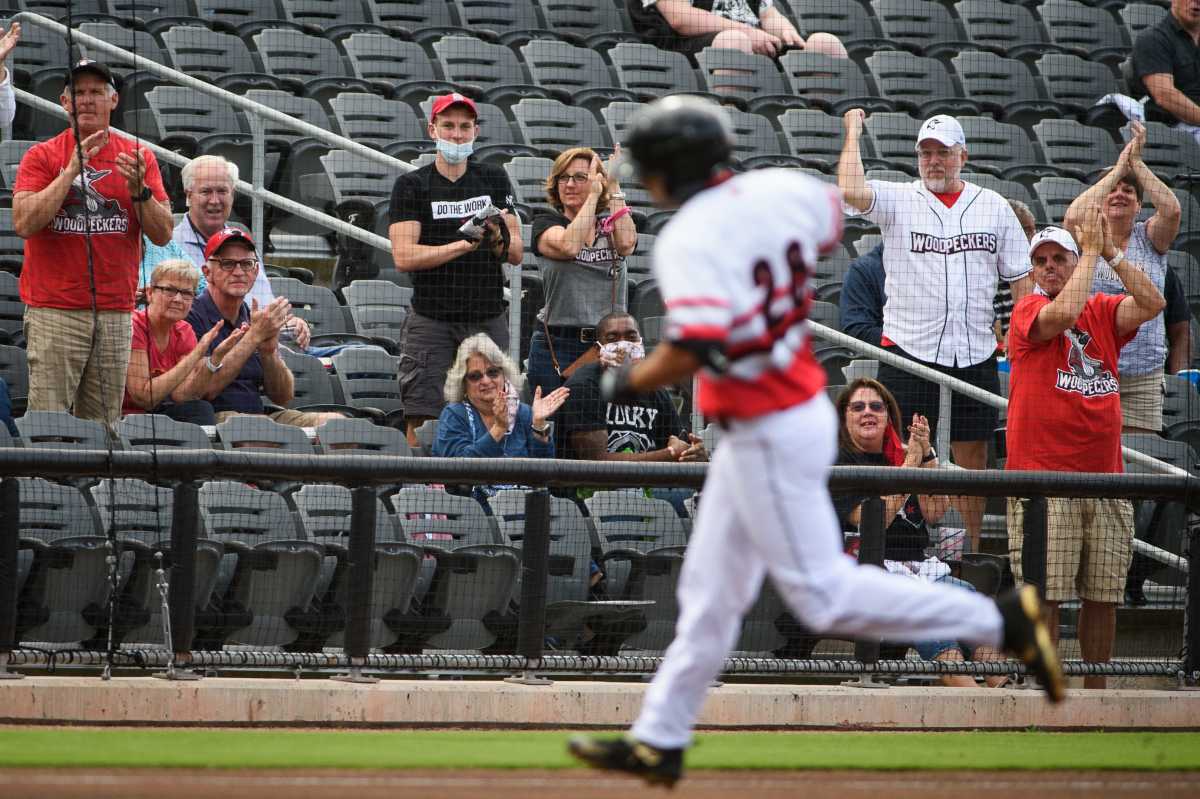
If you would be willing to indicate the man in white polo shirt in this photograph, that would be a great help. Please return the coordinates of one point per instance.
(946, 244)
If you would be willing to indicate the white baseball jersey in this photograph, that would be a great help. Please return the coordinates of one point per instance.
(733, 267)
(941, 266)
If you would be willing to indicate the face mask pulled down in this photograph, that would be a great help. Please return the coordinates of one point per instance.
(619, 352)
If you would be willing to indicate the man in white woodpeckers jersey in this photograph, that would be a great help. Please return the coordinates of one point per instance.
(733, 266)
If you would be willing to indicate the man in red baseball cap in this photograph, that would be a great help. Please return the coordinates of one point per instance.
(457, 274)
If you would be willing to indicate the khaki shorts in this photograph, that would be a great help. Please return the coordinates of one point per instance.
(1089, 545)
(1142, 401)
(285, 416)
(77, 363)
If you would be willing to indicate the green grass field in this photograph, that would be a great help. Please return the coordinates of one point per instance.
(109, 747)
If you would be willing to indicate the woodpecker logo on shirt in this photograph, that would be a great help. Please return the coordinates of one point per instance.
(1084, 375)
(950, 245)
(86, 210)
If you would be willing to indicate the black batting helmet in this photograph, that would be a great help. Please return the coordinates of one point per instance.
(684, 140)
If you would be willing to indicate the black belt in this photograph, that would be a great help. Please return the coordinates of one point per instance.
(585, 335)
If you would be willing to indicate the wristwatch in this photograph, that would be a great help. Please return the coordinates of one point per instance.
(929, 456)
(212, 367)
(144, 195)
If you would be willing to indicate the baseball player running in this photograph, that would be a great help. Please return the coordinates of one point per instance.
(733, 266)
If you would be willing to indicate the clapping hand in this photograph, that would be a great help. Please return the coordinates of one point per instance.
(1091, 233)
(918, 440)
(9, 40)
(132, 167)
(695, 451)
(547, 406)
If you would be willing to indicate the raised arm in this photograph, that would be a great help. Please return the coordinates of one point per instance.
(1163, 227)
(851, 177)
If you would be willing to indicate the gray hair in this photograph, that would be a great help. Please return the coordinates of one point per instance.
(189, 170)
(479, 344)
(177, 268)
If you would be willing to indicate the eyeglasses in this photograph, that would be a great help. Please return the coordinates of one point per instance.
(229, 264)
(576, 178)
(173, 292)
(492, 373)
(876, 406)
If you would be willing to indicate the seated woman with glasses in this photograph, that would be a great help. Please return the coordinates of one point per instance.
(582, 246)
(869, 435)
(166, 373)
(484, 416)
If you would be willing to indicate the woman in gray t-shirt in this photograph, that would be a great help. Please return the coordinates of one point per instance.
(582, 246)
(1120, 192)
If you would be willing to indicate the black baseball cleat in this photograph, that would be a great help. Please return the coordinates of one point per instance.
(655, 766)
(1027, 636)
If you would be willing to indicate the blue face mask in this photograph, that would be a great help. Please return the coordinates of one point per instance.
(455, 153)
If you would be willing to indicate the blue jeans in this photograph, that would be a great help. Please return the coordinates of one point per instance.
(541, 368)
(928, 650)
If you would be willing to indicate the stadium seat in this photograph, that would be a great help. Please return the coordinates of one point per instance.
(1006, 87)
(1008, 189)
(921, 85)
(1075, 82)
(1170, 153)
(219, 58)
(814, 137)
(65, 586)
(829, 273)
(1175, 453)
(1076, 150)
(308, 64)
(575, 74)
(1056, 195)
(1086, 31)
(849, 20)
(333, 19)
(865, 243)
(497, 139)
(597, 25)
(426, 435)
(756, 144)
(1004, 150)
(134, 82)
(11, 153)
(368, 379)
(650, 72)
(347, 176)
(553, 127)
(1140, 16)
(493, 68)
(326, 318)
(348, 436)
(512, 22)
(570, 616)
(892, 137)
(1007, 29)
(423, 20)
(243, 18)
(149, 431)
(37, 66)
(14, 369)
(834, 85)
(750, 80)
(261, 433)
(299, 154)
(12, 309)
(314, 388)
(476, 574)
(325, 513)
(379, 307)
(369, 119)
(923, 26)
(528, 179)
(397, 68)
(274, 567)
(61, 430)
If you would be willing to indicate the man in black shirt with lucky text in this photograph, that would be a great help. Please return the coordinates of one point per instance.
(457, 277)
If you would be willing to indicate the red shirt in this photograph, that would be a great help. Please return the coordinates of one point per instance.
(180, 341)
(55, 273)
(1064, 409)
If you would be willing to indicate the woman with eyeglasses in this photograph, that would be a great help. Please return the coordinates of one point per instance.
(869, 435)
(166, 371)
(484, 417)
(582, 246)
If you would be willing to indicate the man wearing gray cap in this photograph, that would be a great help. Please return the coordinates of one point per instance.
(947, 242)
(1064, 415)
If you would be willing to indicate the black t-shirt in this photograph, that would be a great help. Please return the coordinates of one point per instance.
(907, 535)
(642, 426)
(1177, 309)
(470, 288)
(1166, 49)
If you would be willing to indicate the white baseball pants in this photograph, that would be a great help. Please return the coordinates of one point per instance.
(766, 511)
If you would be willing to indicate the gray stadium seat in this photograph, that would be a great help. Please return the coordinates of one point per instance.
(269, 568)
(1075, 81)
(577, 73)
(1076, 150)
(1008, 29)
(371, 120)
(426, 435)
(921, 85)
(333, 19)
(308, 64)
(1008, 189)
(892, 138)
(219, 58)
(402, 69)
(379, 307)
(61, 430)
(424, 20)
(262, 434)
(1087, 31)
(598, 25)
(511, 21)
(528, 178)
(149, 431)
(347, 436)
(650, 72)
(828, 274)
(369, 380)
(300, 153)
(1003, 149)
(347, 176)
(831, 84)
(553, 127)
(756, 144)
(12, 309)
(814, 137)
(1056, 195)
(319, 307)
(855, 24)
(314, 388)
(1140, 16)
(1004, 86)
(11, 153)
(920, 25)
(65, 583)
(751, 78)
(1170, 153)
(492, 67)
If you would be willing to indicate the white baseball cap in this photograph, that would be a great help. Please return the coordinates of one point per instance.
(1054, 234)
(945, 129)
